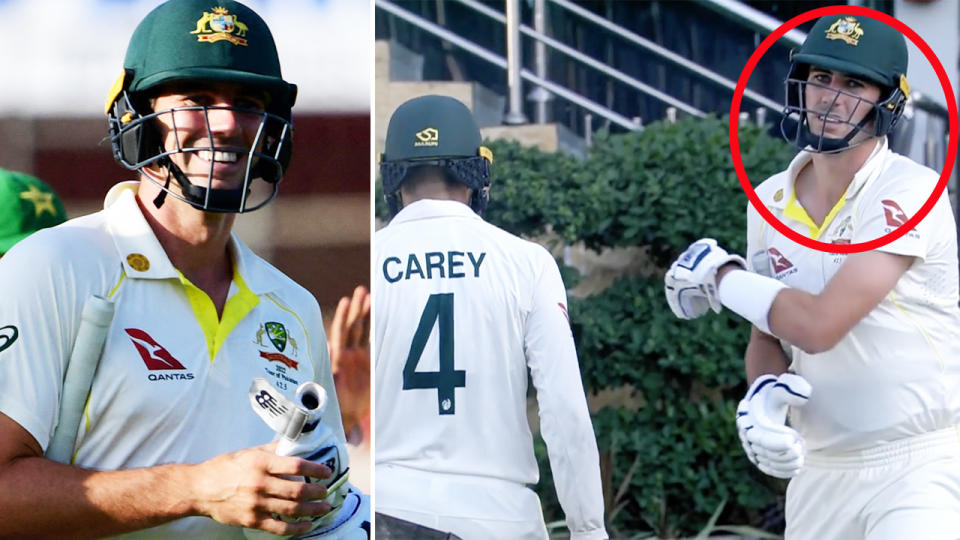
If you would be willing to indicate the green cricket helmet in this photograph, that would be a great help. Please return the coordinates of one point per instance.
(26, 206)
(196, 42)
(857, 46)
(436, 131)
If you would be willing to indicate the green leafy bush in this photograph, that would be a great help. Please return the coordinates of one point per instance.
(688, 375)
(674, 183)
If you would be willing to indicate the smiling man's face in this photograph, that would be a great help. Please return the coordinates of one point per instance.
(202, 116)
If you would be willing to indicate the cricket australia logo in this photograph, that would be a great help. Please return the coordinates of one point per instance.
(844, 232)
(220, 25)
(278, 336)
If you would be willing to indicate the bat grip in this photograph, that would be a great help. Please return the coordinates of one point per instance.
(95, 321)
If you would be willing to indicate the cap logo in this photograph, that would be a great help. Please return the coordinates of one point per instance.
(41, 201)
(220, 25)
(846, 29)
(427, 137)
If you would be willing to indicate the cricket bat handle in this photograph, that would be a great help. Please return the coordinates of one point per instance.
(95, 321)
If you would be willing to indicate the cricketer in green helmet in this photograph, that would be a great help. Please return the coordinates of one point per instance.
(860, 350)
(167, 445)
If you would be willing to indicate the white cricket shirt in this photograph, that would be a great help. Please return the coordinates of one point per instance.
(172, 384)
(897, 373)
(462, 309)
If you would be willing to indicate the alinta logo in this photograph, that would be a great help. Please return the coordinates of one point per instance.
(427, 137)
(779, 262)
(156, 357)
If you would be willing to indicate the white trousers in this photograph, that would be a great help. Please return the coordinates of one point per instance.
(469, 506)
(901, 490)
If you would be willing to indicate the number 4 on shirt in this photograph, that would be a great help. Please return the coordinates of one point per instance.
(439, 309)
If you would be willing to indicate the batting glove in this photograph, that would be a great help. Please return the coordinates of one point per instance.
(769, 443)
(352, 520)
(302, 434)
(691, 282)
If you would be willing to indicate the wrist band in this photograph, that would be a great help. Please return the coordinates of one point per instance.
(750, 296)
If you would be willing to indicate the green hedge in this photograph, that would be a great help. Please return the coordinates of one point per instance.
(688, 376)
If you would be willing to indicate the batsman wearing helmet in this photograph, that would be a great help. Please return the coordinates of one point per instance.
(861, 349)
(167, 441)
(463, 310)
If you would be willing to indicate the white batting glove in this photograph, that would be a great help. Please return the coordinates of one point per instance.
(691, 282)
(352, 521)
(769, 443)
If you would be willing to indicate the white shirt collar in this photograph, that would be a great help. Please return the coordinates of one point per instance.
(143, 257)
(433, 208)
(870, 169)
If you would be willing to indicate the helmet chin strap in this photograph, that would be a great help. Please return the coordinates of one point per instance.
(221, 200)
(162, 196)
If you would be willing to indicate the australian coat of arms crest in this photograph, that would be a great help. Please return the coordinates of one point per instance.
(220, 25)
(846, 29)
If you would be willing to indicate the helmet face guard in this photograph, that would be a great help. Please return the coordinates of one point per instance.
(816, 140)
(136, 143)
(884, 114)
(474, 172)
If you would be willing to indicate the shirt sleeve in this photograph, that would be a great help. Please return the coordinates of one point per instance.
(39, 315)
(758, 260)
(564, 419)
(887, 209)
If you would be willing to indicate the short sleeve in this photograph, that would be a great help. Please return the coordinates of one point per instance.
(39, 313)
(757, 259)
(888, 208)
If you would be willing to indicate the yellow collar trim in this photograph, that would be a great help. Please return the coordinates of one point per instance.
(215, 329)
(796, 212)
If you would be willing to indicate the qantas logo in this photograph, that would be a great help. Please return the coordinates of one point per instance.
(277, 357)
(893, 213)
(779, 262)
(153, 354)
